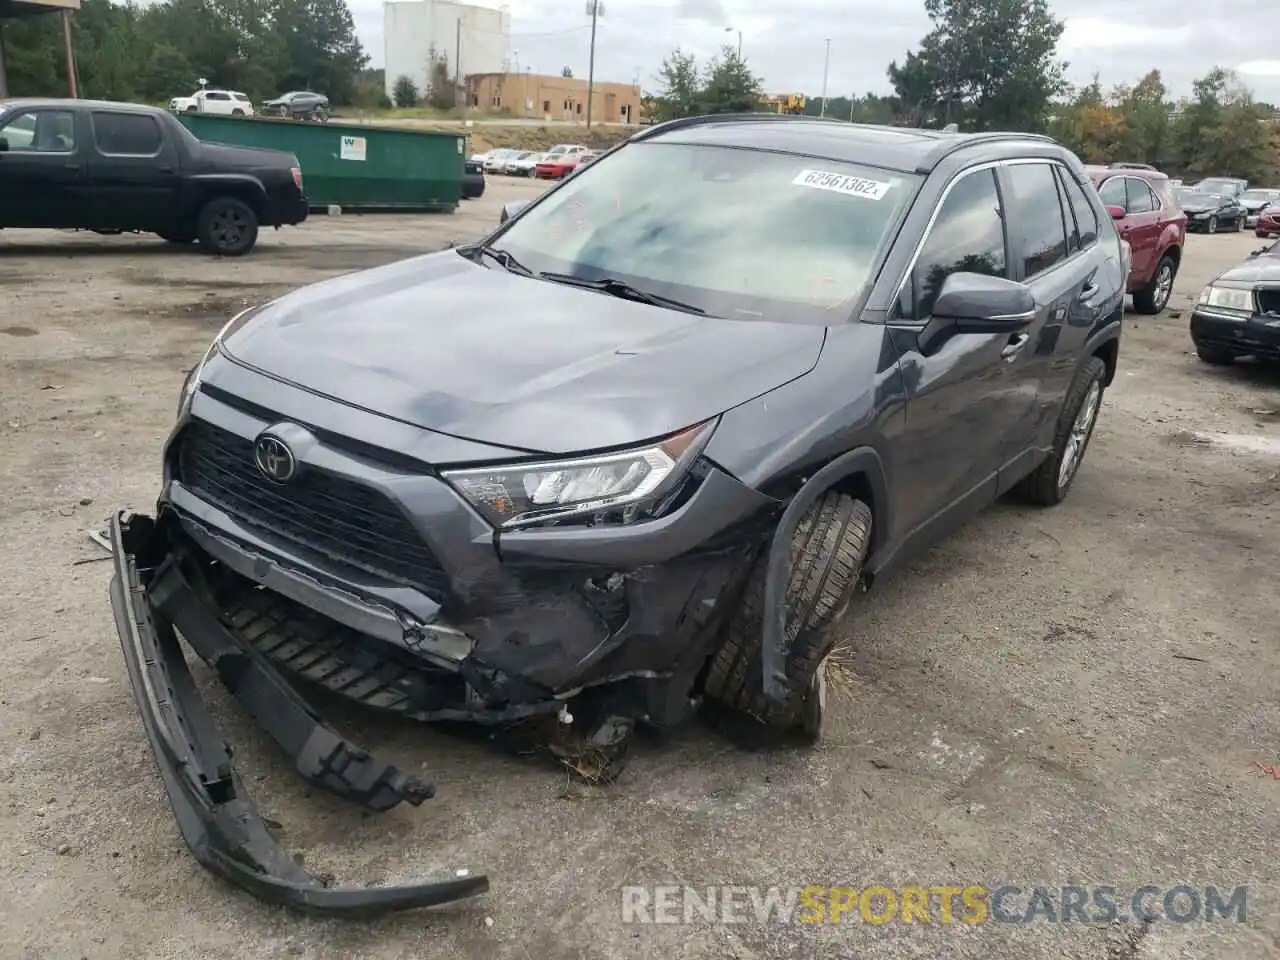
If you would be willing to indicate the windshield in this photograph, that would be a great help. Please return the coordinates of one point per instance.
(737, 233)
(556, 151)
(1188, 196)
(1217, 186)
(1258, 196)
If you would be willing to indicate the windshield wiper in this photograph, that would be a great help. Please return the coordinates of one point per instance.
(623, 290)
(505, 260)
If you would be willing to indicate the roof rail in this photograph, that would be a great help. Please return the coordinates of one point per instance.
(681, 123)
(960, 141)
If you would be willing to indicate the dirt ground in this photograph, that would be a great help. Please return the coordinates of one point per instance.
(1080, 695)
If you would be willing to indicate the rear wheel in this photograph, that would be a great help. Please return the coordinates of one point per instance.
(237, 112)
(827, 552)
(1154, 296)
(228, 227)
(1215, 355)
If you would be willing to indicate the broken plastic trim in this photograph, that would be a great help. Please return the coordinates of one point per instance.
(215, 815)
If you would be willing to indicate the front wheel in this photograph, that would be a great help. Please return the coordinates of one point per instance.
(1212, 225)
(827, 552)
(228, 227)
(1047, 485)
(237, 112)
(1154, 297)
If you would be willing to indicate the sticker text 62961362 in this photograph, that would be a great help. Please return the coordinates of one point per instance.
(842, 183)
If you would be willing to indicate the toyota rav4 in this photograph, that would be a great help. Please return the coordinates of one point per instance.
(632, 453)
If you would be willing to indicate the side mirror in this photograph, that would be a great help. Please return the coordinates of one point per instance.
(977, 303)
(509, 210)
(4, 145)
(1117, 213)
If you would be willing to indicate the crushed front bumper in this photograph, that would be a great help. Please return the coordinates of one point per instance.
(150, 597)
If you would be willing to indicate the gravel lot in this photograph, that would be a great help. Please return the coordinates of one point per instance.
(1080, 695)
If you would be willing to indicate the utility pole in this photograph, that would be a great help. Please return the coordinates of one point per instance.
(457, 65)
(596, 9)
(826, 66)
(853, 101)
(739, 33)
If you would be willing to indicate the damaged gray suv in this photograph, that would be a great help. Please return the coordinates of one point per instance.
(628, 457)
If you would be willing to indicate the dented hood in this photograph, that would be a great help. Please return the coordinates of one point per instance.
(451, 346)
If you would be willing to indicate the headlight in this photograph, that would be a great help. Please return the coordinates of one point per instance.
(1201, 216)
(1227, 298)
(628, 483)
(192, 383)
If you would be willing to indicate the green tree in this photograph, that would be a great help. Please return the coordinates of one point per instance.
(986, 64)
(1145, 133)
(441, 93)
(729, 86)
(681, 91)
(405, 93)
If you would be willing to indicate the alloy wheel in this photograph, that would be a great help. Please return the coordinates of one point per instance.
(1164, 285)
(227, 228)
(1078, 438)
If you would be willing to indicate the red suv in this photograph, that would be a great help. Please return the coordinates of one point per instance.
(1147, 215)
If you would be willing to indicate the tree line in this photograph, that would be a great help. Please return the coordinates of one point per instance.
(992, 64)
(127, 51)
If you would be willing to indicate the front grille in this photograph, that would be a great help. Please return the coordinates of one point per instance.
(342, 520)
(1268, 301)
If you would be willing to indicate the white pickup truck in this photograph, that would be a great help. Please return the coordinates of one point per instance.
(227, 102)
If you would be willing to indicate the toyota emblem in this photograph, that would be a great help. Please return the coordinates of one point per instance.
(274, 459)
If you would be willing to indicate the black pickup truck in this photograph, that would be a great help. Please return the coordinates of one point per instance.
(118, 167)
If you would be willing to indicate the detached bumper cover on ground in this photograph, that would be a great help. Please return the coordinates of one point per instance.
(218, 821)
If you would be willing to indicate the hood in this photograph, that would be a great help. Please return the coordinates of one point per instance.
(1260, 269)
(1200, 206)
(482, 354)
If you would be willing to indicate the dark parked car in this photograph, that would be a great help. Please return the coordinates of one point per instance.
(299, 105)
(1141, 201)
(117, 167)
(472, 179)
(1238, 313)
(633, 452)
(1210, 212)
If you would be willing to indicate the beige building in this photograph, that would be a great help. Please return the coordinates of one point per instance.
(554, 99)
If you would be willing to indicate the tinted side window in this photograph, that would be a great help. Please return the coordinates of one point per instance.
(1039, 234)
(1085, 216)
(1140, 198)
(126, 134)
(1112, 192)
(968, 236)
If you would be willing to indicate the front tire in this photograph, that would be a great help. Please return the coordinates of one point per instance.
(1211, 226)
(1049, 483)
(227, 227)
(827, 552)
(1154, 297)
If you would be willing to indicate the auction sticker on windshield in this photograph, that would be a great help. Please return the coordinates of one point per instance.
(842, 183)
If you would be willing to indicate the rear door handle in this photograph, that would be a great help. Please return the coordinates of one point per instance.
(1014, 346)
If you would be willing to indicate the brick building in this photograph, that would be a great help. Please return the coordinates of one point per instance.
(554, 99)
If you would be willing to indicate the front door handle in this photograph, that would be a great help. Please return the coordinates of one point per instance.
(1014, 346)
(1090, 291)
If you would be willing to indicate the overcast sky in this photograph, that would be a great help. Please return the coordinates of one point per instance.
(785, 42)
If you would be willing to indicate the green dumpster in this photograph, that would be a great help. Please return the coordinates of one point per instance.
(354, 166)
